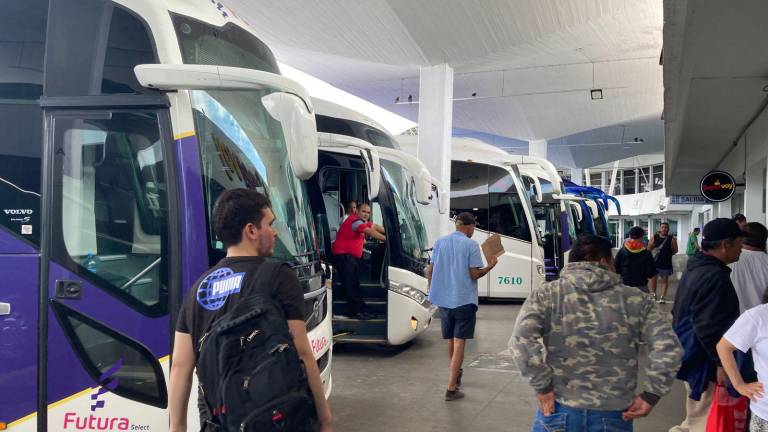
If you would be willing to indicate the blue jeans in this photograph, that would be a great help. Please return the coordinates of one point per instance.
(567, 419)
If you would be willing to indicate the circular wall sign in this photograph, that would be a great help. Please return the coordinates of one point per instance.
(718, 186)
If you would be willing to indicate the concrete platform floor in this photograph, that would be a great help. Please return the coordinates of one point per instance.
(401, 389)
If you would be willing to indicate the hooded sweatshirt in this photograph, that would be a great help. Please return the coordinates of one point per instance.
(635, 264)
(579, 336)
(706, 295)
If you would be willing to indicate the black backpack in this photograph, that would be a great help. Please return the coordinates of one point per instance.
(249, 371)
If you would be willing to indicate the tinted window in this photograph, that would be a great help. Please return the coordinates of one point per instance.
(114, 204)
(97, 58)
(22, 39)
(229, 45)
(469, 191)
(629, 181)
(334, 125)
(355, 129)
(506, 210)
(114, 361)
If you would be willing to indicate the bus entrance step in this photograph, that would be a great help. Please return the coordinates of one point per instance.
(356, 338)
(373, 328)
(374, 306)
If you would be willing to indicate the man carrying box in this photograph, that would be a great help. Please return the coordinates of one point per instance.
(456, 266)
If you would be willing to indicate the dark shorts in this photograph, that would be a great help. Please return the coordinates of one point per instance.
(459, 323)
(664, 273)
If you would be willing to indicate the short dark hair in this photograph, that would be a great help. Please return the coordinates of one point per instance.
(234, 209)
(349, 205)
(708, 245)
(739, 217)
(664, 223)
(465, 219)
(755, 235)
(697, 229)
(364, 203)
(636, 232)
(590, 248)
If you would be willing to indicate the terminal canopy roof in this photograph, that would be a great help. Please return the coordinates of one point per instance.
(530, 64)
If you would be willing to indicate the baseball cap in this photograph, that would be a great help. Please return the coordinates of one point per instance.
(466, 218)
(722, 229)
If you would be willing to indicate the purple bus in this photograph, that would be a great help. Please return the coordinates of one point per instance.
(122, 122)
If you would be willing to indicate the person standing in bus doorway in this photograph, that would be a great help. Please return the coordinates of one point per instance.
(243, 221)
(662, 246)
(693, 243)
(350, 208)
(348, 250)
(456, 266)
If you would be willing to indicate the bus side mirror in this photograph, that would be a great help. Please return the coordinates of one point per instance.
(373, 163)
(299, 130)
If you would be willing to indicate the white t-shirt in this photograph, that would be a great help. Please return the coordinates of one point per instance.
(750, 331)
(750, 278)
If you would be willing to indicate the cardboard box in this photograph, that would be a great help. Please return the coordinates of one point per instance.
(492, 247)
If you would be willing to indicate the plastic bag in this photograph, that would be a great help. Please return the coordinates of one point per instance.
(728, 414)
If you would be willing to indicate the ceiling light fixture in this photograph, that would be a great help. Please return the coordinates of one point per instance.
(596, 94)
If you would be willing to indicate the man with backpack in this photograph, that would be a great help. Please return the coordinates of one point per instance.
(242, 326)
(633, 261)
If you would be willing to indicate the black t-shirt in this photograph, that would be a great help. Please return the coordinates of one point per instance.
(220, 288)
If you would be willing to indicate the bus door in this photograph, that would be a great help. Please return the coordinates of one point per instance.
(513, 276)
(107, 268)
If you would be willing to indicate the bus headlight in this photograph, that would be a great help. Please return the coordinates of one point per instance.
(540, 269)
(409, 291)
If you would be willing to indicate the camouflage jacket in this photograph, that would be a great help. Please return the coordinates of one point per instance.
(580, 336)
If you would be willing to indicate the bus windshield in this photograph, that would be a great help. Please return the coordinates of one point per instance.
(413, 236)
(241, 145)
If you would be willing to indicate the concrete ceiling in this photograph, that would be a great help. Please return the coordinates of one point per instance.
(531, 63)
(715, 77)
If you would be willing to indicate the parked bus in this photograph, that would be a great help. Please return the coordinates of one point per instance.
(594, 208)
(123, 121)
(485, 181)
(391, 272)
(552, 211)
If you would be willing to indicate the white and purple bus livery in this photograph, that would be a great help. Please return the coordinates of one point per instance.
(122, 122)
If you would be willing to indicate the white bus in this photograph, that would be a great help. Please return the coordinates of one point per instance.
(122, 122)
(391, 272)
(485, 181)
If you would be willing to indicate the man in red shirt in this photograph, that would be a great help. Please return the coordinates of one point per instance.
(348, 249)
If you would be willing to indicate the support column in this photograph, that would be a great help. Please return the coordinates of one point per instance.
(434, 143)
(755, 192)
(537, 148)
(577, 176)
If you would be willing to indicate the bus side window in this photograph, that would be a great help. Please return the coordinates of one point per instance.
(114, 205)
(469, 191)
(506, 212)
(23, 26)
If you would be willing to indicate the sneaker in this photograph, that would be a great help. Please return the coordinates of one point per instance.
(458, 378)
(451, 395)
(661, 300)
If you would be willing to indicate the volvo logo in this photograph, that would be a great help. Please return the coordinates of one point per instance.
(18, 212)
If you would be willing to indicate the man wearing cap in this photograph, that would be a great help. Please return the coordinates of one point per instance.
(456, 266)
(705, 307)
